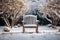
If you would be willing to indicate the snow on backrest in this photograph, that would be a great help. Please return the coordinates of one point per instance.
(30, 19)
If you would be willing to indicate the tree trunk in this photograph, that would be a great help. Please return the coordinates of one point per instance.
(7, 22)
(15, 19)
(13, 22)
(54, 23)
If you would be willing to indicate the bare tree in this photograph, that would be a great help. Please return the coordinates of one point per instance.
(52, 9)
(13, 8)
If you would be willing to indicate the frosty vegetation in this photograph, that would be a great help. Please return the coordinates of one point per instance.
(54, 7)
(15, 8)
(12, 9)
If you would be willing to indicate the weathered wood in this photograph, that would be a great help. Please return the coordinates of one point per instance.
(32, 26)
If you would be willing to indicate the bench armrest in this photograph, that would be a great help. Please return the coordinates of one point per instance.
(37, 21)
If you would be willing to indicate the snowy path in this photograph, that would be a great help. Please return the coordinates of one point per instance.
(45, 33)
(29, 37)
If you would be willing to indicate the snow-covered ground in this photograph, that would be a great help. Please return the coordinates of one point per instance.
(45, 33)
(27, 30)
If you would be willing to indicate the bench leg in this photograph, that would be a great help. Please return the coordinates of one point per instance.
(23, 29)
(37, 30)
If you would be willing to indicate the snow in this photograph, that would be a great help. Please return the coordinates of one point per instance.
(1, 12)
(45, 33)
(41, 29)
